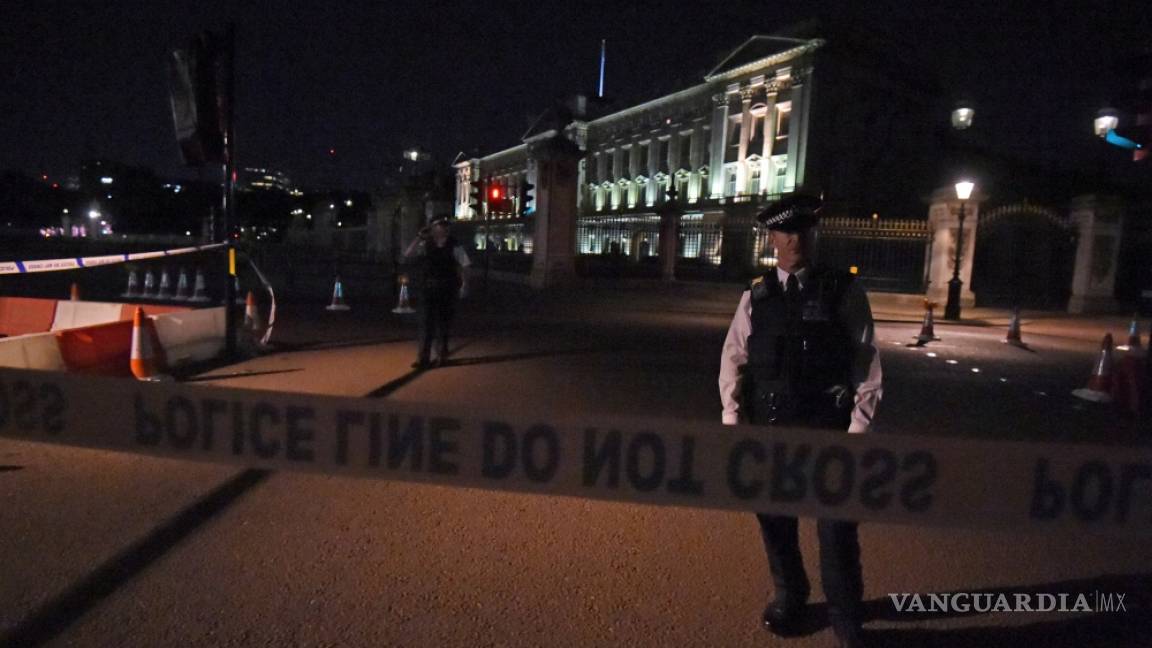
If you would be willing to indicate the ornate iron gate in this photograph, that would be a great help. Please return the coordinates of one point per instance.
(1025, 255)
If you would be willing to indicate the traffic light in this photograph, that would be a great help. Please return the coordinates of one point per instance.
(476, 197)
(498, 199)
(526, 198)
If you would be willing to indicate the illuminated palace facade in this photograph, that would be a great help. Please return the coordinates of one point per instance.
(670, 187)
(725, 146)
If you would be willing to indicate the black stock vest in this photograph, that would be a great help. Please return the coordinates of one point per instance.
(440, 262)
(799, 369)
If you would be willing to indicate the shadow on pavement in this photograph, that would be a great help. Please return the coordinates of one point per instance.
(10, 468)
(390, 387)
(316, 345)
(238, 374)
(512, 357)
(55, 616)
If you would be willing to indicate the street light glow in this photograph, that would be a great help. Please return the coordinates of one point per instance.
(93, 214)
(964, 189)
(962, 116)
(1106, 120)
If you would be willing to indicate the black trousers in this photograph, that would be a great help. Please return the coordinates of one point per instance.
(437, 306)
(839, 564)
(840, 569)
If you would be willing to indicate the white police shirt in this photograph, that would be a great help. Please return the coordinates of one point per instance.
(866, 373)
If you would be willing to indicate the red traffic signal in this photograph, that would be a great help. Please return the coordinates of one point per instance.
(496, 193)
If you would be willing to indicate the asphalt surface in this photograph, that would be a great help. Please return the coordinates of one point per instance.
(103, 549)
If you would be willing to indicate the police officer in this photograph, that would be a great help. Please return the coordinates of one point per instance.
(800, 353)
(443, 262)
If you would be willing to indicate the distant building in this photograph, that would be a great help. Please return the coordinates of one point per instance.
(726, 146)
(259, 179)
(332, 219)
(830, 112)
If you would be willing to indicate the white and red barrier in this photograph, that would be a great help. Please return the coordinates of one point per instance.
(95, 337)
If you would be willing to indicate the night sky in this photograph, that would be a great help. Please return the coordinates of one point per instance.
(369, 79)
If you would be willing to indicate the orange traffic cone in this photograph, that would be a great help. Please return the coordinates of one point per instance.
(1099, 389)
(928, 328)
(74, 292)
(252, 320)
(1013, 336)
(338, 297)
(403, 307)
(143, 359)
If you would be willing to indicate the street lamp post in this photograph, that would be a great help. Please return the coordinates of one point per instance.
(952, 308)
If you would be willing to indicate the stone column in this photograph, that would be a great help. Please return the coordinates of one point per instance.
(799, 126)
(769, 127)
(794, 128)
(1099, 221)
(696, 188)
(719, 137)
(745, 126)
(943, 221)
(554, 240)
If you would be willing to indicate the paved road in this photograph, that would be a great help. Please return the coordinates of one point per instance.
(111, 550)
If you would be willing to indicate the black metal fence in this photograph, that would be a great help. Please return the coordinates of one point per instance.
(888, 254)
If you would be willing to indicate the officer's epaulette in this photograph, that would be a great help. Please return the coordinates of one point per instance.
(758, 287)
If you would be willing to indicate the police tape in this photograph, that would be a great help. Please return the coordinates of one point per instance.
(52, 265)
(872, 477)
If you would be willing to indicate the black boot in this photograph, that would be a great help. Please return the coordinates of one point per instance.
(783, 617)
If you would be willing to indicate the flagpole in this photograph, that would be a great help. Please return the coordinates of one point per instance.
(229, 88)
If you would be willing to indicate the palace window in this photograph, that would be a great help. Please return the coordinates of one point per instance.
(661, 154)
(783, 120)
(754, 180)
(686, 150)
(758, 125)
(779, 171)
(732, 146)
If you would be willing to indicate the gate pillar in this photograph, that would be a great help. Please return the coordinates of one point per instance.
(1099, 221)
(944, 222)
